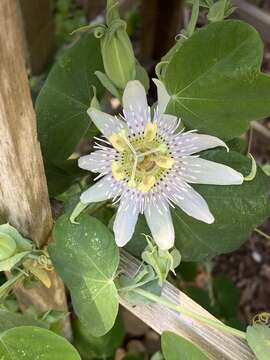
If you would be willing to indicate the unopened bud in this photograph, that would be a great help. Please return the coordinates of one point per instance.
(117, 54)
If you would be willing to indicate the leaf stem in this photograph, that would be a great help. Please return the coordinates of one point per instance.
(182, 310)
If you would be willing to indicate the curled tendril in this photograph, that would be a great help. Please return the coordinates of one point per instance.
(89, 28)
(99, 31)
(116, 25)
(262, 319)
(180, 36)
(159, 67)
(45, 262)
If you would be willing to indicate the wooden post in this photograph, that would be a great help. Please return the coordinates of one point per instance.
(38, 27)
(24, 200)
(161, 22)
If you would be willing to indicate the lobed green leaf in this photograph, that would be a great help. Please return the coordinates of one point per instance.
(215, 80)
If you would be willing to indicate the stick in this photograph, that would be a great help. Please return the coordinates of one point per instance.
(215, 343)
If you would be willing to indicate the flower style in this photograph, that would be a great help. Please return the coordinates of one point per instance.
(147, 166)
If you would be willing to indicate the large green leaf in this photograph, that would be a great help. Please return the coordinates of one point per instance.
(86, 257)
(10, 320)
(258, 338)
(215, 81)
(61, 109)
(175, 347)
(237, 210)
(29, 343)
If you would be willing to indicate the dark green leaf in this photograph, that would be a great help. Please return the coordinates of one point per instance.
(86, 257)
(258, 338)
(227, 296)
(61, 110)
(98, 347)
(200, 296)
(29, 343)
(175, 347)
(237, 210)
(187, 270)
(215, 81)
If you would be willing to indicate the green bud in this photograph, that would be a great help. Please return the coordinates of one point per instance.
(7, 246)
(117, 54)
(162, 261)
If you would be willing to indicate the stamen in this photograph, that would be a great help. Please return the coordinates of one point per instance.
(117, 171)
(165, 162)
(147, 183)
(117, 142)
(150, 131)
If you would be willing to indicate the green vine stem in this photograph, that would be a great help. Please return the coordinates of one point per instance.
(258, 231)
(182, 310)
(193, 19)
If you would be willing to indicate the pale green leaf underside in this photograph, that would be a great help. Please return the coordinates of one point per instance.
(29, 343)
(258, 338)
(86, 257)
(175, 347)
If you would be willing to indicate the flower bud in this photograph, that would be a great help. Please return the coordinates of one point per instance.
(7, 246)
(117, 54)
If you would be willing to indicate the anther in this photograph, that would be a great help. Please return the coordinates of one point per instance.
(118, 171)
(147, 183)
(150, 131)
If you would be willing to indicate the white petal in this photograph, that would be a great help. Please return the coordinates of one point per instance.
(167, 124)
(104, 189)
(163, 96)
(98, 161)
(134, 97)
(159, 220)
(190, 143)
(193, 204)
(125, 222)
(106, 123)
(201, 171)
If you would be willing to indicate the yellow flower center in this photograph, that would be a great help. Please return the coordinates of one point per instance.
(143, 160)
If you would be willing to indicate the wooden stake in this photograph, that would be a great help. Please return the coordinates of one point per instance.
(216, 344)
(24, 200)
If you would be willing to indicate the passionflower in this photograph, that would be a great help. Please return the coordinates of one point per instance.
(146, 166)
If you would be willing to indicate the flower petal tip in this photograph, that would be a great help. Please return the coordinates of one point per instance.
(208, 218)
